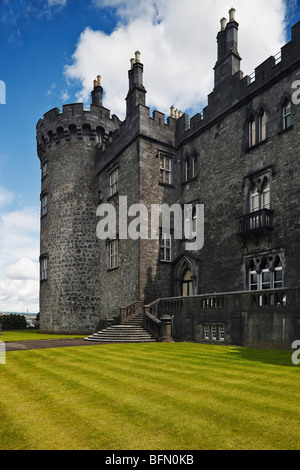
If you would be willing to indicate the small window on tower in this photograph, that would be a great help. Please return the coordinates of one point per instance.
(113, 254)
(44, 269)
(44, 169)
(113, 182)
(44, 205)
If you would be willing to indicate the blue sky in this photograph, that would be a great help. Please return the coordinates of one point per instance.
(50, 52)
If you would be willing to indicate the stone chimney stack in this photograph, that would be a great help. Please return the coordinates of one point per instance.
(136, 93)
(97, 92)
(228, 61)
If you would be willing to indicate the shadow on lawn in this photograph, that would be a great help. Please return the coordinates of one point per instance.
(276, 357)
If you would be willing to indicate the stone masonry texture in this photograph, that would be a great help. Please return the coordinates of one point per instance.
(82, 149)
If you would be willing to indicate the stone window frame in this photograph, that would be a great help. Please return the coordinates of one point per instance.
(187, 284)
(190, 167)
(264, 263)
(286, 101)
(163, 157)
(257, 178)
(190, 163)
(113, 254)
(254, 126)
(282, 128)
(44, 204)
(213, 331)
(113, 186)
(43, 267)
(44, 169)
(165, 247)
(262, 124)
(251, 131)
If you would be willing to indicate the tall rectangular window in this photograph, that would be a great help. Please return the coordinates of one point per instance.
(165, 247)
(278, 277)
(113, 254)
(113, 182)
(252, 132)
(206, 331)
(44, 169)
(44, 269)
(287, 114)
(165, 170)
(265, 279)
(221, 333)
(213, 332)
(44, 205)
(262, 126)
(253, 280)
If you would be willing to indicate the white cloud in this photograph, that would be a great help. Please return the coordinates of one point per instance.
(178, 44)
(6, 197)
(18, 296)
(19, 253)
(55, 3)
(64, 96)
(24, 269)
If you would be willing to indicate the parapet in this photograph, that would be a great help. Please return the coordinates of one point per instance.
(141, 124)
(75, 121)
(238, 87)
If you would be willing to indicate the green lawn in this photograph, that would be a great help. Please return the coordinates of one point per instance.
(31, 334)
(156, 396)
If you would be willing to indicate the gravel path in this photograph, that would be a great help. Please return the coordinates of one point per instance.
(46, 343)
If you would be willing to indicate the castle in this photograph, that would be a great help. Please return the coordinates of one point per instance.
(239, 159)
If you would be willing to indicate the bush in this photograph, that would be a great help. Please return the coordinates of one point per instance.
(13, 322)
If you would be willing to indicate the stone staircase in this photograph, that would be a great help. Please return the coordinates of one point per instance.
(130, 332)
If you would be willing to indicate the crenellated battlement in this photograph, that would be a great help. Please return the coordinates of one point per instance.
(75, 121)
(140, 124)
(236, 88)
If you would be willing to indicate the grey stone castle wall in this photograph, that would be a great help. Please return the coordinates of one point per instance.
(81, 289)
(70, 297)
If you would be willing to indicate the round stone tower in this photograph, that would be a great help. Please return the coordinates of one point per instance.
(67, 144)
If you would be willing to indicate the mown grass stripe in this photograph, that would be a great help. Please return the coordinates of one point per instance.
(118, 397)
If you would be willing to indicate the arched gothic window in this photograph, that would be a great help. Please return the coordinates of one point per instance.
(262, 121)
(265, 273)
(252, 131)
(187, 283)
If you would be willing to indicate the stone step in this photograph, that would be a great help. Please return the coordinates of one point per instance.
(126, 340)
(130, 332)
(113, 334)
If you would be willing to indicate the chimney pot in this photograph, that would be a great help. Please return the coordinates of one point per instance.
(172, 111)
(98, 80)
(232, 14)
(132, 61)
(137, 56)
(223, 24)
